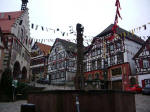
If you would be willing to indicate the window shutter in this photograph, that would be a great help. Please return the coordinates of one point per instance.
(143, 83)
(148, 46)
(141, 63)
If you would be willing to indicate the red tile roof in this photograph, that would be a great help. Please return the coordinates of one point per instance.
(5, 23)
(44, 48)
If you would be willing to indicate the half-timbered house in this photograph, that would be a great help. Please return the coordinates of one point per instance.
(142, 60)
(39, 60)
(109, 62)
(62, 61)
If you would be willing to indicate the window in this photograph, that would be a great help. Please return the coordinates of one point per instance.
(50, 58)
(57, 75)
(63, 63)
(99, 51)
(58, 64)
(97, 75)
(120, 58)
(108, 48)
(111, 47)
(116, 71)
(56, 49)
(71, 63)
(118, 44)
(112, 60)
(106, 62)
(137, 63)
(99, 63)
(53, 76)
(93, 65)
(63, 54)
(145, 63)
(93, 53)
(90, 77)
(62, 74)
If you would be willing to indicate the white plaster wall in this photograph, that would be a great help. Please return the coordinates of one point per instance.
(132, 48)
(53, 53)
(142, 77)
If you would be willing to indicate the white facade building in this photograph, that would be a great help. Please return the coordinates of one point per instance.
(62, 62)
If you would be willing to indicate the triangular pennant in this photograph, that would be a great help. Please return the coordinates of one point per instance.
(32, 25)
(36, 27)
(124, 34)
(46, 29)
(63, 34)
(42, 28)
(121, 34)
(139, 28)
(128, 33)
(31, 41)
(144, 27)
(132, 32)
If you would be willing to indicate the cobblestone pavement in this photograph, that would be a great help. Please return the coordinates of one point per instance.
(53, 87)
(142, 104)
(11, 106)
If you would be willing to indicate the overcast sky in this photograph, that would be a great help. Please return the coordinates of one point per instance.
(94, 15)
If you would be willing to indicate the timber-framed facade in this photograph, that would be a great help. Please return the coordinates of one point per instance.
(111, 62)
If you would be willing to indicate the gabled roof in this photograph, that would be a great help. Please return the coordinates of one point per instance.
(129, 35)
(43, 47)
(68, 46)
(147, 43)
(5, 23)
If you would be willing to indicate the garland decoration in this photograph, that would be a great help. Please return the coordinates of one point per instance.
(117, 4)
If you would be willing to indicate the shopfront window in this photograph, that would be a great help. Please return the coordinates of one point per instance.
(116, 71)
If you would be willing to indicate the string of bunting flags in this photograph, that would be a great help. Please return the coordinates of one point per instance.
(54, 30)
(123, 35)
(139, 28)
(43, 28)
(53, 40)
